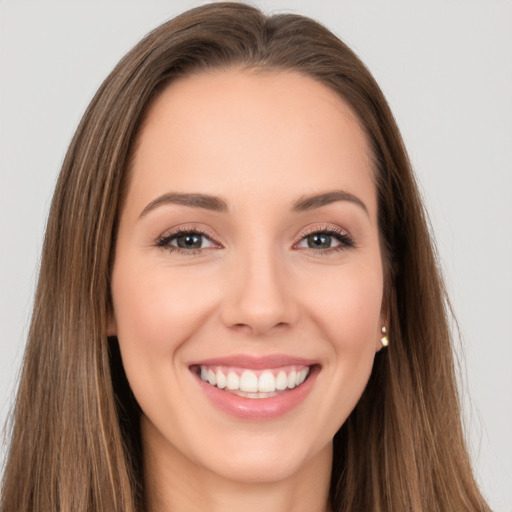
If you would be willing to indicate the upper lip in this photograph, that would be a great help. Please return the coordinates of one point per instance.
(255, 362)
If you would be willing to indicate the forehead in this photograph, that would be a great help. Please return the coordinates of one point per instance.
(229, 130)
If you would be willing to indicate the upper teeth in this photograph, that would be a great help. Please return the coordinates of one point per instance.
(249, 381)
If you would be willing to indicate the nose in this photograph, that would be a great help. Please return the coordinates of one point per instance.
(259, 295)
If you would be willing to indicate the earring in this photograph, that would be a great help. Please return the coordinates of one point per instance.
(384, 340)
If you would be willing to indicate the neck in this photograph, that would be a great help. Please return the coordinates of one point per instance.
(173, 482)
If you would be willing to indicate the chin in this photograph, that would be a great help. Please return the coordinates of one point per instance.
(260, 466)
(264, 457)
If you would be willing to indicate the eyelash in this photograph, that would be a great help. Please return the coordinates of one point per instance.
(165, 241)
(344, 239)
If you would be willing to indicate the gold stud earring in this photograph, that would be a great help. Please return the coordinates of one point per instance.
(384, 340)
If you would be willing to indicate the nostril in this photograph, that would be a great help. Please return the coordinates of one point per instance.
(242, 328)
(258, 328)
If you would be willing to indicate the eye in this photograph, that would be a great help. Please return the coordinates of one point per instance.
(319, 241)
(189, 241)
(326, 239)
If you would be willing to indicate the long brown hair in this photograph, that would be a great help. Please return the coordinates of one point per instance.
(75, 440)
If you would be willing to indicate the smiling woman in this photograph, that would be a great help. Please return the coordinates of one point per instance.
(271, 286)
(247, 240)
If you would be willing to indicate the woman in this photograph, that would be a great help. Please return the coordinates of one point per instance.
(234, 241)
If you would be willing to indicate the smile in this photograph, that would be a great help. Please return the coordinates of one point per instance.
(256, 388)
(255, 384)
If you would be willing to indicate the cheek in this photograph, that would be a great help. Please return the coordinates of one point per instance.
(349, 313)
(157, 312)
(351, 320)
(155, 308)
(348, 306)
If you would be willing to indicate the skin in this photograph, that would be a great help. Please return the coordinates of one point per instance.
(260, 140)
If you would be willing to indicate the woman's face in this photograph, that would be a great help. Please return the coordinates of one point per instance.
(248, 280)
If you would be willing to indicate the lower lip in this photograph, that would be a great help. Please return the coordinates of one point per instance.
(259, 408)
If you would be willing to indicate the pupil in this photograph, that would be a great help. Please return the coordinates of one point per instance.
(189, 241)
(319, 241)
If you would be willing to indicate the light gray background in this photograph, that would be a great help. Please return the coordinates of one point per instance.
(446, 69)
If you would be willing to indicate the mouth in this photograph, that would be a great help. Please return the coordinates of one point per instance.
(253, 384)
(256, 388)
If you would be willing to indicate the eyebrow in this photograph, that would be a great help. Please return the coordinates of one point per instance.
(306, 203)
(205, 201)
(216, 204)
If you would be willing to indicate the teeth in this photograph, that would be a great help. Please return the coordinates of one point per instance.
(249, 384)
(212, 378)
(292, 379)
(301, 376)
(221, 380)
(266, 383)
(281, 381)
(232, 381)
